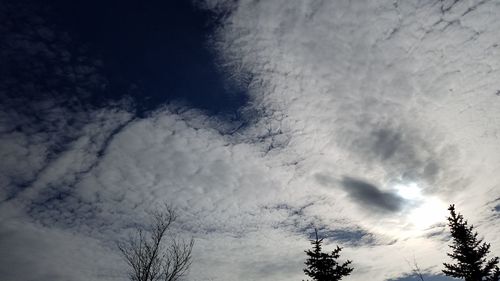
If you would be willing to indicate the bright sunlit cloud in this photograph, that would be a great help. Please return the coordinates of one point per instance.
(430, 212)
(410, 191)
(425, 210)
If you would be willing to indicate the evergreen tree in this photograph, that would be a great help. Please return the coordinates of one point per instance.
(469, 252)
(323, 266)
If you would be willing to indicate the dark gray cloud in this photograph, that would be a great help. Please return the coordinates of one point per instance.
(402, 151)
(298, 220)
(352, 237)
(386, 143)
(370, 196)
(365, 194)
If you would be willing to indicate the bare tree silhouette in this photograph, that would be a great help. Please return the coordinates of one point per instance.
(469, 252)
(415, 269)
(147, 255)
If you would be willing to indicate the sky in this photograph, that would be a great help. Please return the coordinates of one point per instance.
(258, 121)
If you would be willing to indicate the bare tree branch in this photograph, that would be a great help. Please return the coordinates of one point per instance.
(415, 269)
(149, 259)
(179, 260)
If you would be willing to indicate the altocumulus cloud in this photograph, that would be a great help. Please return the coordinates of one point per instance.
(386, 91)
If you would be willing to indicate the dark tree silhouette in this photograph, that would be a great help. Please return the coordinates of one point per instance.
(323, 266)
(469, 252)
(149, 259)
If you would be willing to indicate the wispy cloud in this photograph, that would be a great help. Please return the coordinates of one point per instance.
(347, 100)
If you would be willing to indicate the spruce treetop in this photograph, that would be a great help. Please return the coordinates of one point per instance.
(469, 252)
(324, 266)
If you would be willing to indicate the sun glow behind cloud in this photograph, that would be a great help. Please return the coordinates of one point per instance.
(373, 90)
(430, 212)
(424, 210)
(347, 88)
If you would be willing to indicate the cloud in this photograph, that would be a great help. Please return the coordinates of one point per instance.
(396, 92)
(47, 109)
(39, 253)
(426, 277)
(349, 237)
(387, 91)
(402, 151)
(370, 196)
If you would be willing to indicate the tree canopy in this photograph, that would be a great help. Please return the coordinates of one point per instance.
(322, 266)
(469, 252)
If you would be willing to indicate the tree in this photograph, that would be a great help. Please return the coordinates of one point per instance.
(149, 259)
(469, 252)
(323, 266)
(415, 268)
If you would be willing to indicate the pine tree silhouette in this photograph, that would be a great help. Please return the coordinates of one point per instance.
(323, 266)
(469, 252)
